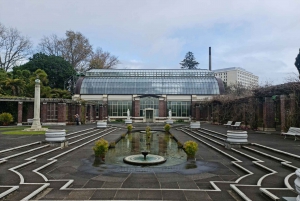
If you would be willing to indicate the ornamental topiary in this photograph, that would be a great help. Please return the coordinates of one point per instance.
(148, 129)
(100, 148)
(167, 128)
(129, 128)
(190, 147)
(6, 118)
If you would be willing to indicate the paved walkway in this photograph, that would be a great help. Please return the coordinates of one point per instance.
(256, 171)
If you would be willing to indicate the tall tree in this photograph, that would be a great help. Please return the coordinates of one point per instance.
(102, 60)
(57, 69)
(13, 47)
(189, 61)
(51, 45)
(297, 63)
(75, 48)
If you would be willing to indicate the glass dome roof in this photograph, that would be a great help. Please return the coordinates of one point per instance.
(156, 82)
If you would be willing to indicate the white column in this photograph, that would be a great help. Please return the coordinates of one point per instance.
(36, 124)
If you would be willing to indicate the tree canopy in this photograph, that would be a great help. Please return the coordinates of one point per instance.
(59, 71)
(13, 47)
(76, 49)
(297, 63)
(102, 60)
(189, 61)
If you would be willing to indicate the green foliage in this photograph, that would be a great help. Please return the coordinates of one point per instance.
(167, 128)
(58, 70)
(101, 147)
(112, 144)
(190, 147)
(148, 129)
(119, 120)
(180, 121)
(179, 144)
(6, 118)
(123, 135)
(189, 61)
(129, 128)
(297, 63)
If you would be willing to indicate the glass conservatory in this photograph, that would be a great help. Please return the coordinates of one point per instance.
(151, 91)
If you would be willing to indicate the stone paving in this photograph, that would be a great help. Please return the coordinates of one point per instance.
(262, 170)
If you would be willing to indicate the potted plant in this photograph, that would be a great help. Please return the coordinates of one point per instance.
(167, 128)
(129, 128)
(190, 148)
(6, 118)
(100, 148)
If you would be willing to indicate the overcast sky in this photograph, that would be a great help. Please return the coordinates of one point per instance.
(262, 37)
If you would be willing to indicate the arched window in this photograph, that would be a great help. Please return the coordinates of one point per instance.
(149, 102)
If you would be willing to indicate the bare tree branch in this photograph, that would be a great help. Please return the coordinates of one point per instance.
(51, 45)
(102, 60)
(13, 47)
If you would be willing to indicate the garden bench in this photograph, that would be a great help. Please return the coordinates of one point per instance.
(28, 122)
(228, 123)
(236, 125)
(294, 131)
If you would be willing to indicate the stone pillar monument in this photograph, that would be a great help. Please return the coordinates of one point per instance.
(36, 124)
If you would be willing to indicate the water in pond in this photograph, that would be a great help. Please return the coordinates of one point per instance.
(158, 144)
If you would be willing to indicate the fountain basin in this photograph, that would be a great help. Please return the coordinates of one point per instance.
(139, 159)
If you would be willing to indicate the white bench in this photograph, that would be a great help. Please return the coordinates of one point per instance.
(228, 123)
(236, 125)
(294, 131)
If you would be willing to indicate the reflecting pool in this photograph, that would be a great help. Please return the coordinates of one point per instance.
(157, 143)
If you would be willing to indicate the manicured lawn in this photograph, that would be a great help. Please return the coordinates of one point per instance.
(19, 131)
(14, 128)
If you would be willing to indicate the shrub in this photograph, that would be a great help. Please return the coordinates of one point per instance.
(112, 144)
(123, 135)
(148, 129)
(167, 128)
(6, 118)
(129, 127)
(100, 148)
(180, 121)
(190, 147)
(119, 120)
(179, 144)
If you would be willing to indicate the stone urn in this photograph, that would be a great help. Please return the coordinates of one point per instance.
(53, 135)
(101, 124)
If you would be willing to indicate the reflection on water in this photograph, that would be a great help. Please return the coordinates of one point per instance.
(158, 144)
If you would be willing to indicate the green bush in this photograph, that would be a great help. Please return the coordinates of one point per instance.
(6, 118)
(167, 128)
(180, 121)
(148, 129)
(112, 145)
(123, 135)
(179, 144)
(100, 148)
(119, 120)
(190, 147)
(129, 127)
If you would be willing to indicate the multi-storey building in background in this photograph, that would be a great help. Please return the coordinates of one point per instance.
(237, 75)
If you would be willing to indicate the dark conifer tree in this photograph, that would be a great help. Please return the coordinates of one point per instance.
(189, 61)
